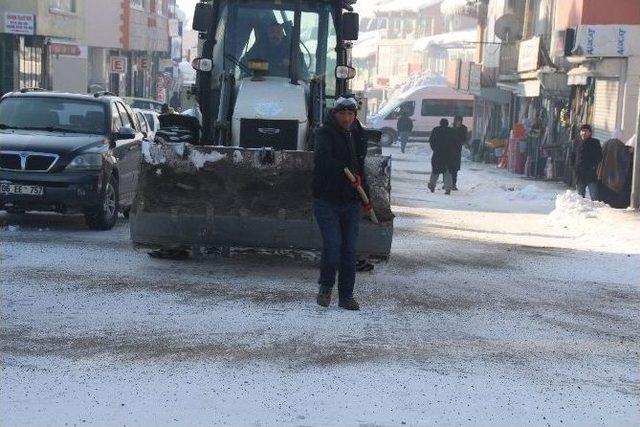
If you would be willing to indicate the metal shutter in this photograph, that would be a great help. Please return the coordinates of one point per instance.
(605, 109)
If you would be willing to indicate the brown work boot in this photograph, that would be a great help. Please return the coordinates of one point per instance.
(324, 298)
(349, 304)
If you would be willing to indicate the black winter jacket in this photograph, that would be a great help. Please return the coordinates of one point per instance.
(443, 143)
(331, 155)
(585, 158)
(405, 124)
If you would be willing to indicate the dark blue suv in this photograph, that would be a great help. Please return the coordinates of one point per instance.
(68, 153)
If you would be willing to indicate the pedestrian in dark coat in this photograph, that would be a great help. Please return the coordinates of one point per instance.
(462, 134)
(336, 205)
(404, 127)
(442, 141)
(585, 158)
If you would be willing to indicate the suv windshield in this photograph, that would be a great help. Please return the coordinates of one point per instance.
(53, 114)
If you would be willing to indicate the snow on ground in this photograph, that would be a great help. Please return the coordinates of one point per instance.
(509, 302)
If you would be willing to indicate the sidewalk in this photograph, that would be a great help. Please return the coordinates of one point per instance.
(494, 205)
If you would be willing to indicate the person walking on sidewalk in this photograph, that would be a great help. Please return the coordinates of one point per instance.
(404, 127)
(585, 158)
(336, 205)
(442, 142)
(461, 133)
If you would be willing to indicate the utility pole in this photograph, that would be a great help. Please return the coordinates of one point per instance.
(635, 182)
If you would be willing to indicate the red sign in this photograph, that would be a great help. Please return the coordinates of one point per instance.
(382, 81)
(65, 49)
(118, 64)
(144, 64)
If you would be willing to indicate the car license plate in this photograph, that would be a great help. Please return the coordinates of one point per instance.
(22, 190)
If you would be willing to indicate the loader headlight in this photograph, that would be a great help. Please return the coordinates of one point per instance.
(89, 161)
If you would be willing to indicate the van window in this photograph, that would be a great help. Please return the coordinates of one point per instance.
(446, 108)
(408, 106)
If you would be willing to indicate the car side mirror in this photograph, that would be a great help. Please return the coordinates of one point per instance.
(124, 132)
(350, 26)
(202, 17)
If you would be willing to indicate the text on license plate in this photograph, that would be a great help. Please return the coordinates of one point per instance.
(27, 190)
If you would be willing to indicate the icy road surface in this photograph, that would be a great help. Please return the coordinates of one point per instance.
(498, 307)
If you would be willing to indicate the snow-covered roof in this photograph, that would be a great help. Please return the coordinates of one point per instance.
(367, 44)
(400, 5)
(452, 7)
(461, 38)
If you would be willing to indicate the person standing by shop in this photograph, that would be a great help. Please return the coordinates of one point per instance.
(585, 158)
(336, 205)
(462, 134)
(442, 142)
(404, 127)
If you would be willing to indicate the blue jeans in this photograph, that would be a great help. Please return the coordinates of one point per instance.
(593, 189)
(339, 226)
(404, 138)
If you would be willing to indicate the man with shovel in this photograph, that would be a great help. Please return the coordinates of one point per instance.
(337, 189)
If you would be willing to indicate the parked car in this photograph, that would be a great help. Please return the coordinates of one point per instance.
(64, 153)
(151, 121)
(425, 105)
(144, 103)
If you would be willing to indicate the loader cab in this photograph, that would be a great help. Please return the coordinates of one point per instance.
(273, 69)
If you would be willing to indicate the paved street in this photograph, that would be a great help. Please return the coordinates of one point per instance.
(490, 311)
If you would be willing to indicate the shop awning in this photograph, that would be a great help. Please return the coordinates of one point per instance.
(454, 39)
(366, 45)
(495, 95)
(526, 89)
(578, 76)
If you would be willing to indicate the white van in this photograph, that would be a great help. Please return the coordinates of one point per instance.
(426, 105)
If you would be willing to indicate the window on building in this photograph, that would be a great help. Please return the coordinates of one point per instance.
(63, 5)
(137, 4)
(157, 6)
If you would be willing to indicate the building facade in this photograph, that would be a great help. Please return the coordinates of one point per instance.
(38, 44)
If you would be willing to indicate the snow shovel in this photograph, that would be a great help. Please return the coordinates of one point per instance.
(365, 199)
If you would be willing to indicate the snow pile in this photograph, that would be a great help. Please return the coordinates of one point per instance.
(179, 149)
(199, 159)
(571, 206)
(152, 153)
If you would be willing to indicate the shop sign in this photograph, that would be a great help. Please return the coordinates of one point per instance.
(607, 40)
(465, 70)
(118, 64)
(19, 23)
(63, 49)
(176, 48)
(174, 28)
(452, 73)
(529, 55)
(382, 81)
(475, 78)
(144, 64)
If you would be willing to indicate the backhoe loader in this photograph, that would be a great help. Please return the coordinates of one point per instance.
(240, 175)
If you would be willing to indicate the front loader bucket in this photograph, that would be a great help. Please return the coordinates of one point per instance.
(251, 198)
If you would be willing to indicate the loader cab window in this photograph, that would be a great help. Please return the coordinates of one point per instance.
(264, 30)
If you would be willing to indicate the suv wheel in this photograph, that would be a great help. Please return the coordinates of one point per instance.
(388, 137)
(104, 216)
